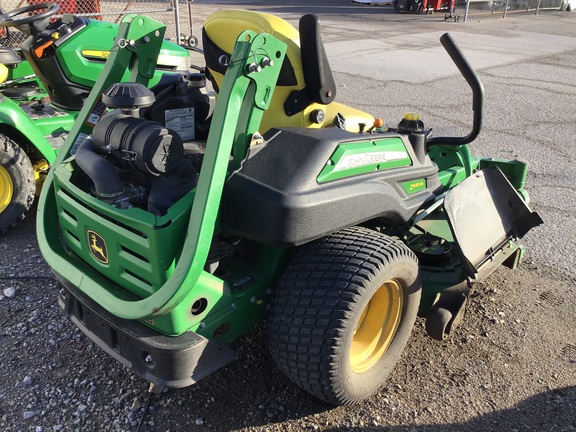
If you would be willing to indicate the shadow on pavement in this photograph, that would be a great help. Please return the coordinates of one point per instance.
(552, 411)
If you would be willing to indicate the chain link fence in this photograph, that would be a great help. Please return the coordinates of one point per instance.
(462, 9)
(176, 16)
(503, 8)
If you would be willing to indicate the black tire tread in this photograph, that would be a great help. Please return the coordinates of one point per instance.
(16, 162)
(307, 304)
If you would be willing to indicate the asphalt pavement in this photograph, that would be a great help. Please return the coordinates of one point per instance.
(389, 63)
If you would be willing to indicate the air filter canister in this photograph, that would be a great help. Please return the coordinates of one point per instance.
(139, 144)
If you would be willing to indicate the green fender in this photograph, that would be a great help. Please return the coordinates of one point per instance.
(12, 115)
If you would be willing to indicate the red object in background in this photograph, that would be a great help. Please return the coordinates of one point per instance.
(84, 7)
(437, 5)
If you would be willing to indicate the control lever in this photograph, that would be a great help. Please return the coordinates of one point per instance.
(477, 94)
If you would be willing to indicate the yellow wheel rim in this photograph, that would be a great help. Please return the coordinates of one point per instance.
(376, 327)
(6, 189)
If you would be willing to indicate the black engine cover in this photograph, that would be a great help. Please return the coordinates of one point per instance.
(274, 197)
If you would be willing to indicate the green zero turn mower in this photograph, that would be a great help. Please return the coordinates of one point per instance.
(43, 85)
(296, 210)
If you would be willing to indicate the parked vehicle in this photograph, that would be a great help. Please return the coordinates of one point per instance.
(43, 85)
(294, 209)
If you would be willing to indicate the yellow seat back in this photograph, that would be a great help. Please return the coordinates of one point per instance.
(3, 73)
(8, 59)
(220, 32)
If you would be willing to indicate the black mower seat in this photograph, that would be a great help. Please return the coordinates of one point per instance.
(8, 57)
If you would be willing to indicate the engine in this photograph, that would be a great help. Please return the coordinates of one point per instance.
(135, 155)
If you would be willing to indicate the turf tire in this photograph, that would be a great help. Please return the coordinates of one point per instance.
(319, 301)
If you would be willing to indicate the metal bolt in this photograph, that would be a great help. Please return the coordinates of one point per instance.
(317, 116)
(254, 67)
(123, 43)
(256, 139)
(266, 62)
(233, 306)
(149, 359)
(202, 325)
(224, 60)
(253, 299)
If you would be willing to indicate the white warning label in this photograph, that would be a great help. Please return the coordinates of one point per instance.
(97, 112)
(181, 120)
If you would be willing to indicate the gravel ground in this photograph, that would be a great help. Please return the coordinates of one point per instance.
(511, 366)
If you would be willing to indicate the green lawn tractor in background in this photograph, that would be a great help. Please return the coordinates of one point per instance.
(296, 210)
(43, 85)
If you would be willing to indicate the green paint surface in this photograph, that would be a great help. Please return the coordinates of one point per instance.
(361, 157)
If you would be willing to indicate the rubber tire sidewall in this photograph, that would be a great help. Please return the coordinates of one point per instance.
(15, 161)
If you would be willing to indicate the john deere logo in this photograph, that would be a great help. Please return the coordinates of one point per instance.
(98, 246)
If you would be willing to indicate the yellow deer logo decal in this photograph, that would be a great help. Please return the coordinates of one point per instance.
(98, 247)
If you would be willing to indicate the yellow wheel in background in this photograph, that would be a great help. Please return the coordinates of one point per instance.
(17, 183)
(6, 189)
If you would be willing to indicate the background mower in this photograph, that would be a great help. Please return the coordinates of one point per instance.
(43, 86)
(295, 210)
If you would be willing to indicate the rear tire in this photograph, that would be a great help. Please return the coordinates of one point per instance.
(343, 312)
(17, 184)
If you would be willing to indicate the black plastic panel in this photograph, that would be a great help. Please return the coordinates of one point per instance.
(274, 197)
(8, 56)
(167, 361)
(63, 92)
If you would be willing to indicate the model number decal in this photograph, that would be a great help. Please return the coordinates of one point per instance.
(413, 186)
(96, 54)
(416, 185)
